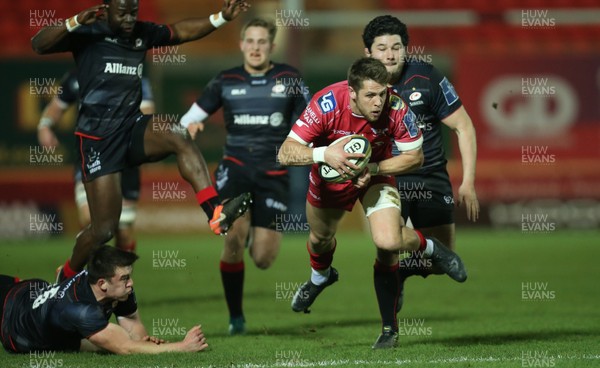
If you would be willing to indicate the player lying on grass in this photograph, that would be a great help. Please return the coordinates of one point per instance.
(74, 315)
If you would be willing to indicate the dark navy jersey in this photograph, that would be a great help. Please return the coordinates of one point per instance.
(109, 72)
(259, 110)
(432, 98)
(43, 316)
(69, 88)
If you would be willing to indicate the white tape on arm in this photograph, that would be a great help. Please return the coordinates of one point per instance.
(194, 115)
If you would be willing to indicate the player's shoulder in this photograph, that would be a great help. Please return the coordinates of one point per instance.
(282, 70)
(395, 100)
(332, 97)
(235, 73)
(415, 68)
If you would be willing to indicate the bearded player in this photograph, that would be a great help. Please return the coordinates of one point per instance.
(361, 105)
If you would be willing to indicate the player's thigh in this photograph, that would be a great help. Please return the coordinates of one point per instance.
(105, 201)
(381, 203)
(323, 222)
(153, 140)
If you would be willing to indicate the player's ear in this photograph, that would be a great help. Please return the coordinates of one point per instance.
(352, 93)
(242, 45)
(367, 52)
(102, 284)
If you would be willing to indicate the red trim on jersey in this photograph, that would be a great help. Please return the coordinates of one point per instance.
(276, 172)
(82, 158)
(416, 75)
(13, 291)
(234, 160)
(12, 343)
(231, 267)
(233, 76)
(88, 136)
(284, 73)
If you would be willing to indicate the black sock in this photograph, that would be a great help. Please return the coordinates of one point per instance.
(208, 199)
(387, 288)
(415, 265)
(232, 276)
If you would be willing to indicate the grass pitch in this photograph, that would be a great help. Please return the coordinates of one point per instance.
(531, 300)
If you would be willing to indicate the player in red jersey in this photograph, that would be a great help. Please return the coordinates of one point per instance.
(109, 46)
(362, 105)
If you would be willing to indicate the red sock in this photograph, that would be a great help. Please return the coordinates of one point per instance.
(208, 199)
(67, 270)
(422, 242)
(380, 267)
(321, 261)
(131, 247)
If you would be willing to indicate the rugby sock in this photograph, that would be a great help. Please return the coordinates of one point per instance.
(425, 245)
(67, 270)
(387, 289)
(131, 247)
(208, 199)
(232, 276)
(321, 264)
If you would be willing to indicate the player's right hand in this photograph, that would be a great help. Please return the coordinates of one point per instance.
(338, 159)
(92, 14)
(194, 340)
(46, 137)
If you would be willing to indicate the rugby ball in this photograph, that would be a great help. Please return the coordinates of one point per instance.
(356, 144)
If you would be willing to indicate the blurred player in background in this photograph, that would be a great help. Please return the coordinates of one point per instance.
(427, 197)
(362, 105)
(109, 45)
(261, 101)
(130, 176)
(74, 315)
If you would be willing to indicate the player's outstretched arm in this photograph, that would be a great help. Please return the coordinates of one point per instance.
(114, 338)
(193, 29)
(47, 38)
(461, 123)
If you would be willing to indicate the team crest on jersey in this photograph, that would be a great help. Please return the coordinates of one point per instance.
(327, 102)
(449, 93)
(410, 122)
(396, 103)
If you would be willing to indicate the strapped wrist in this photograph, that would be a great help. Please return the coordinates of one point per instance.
(45, 122)
(72, 23)
(217, 20)
(319, 154)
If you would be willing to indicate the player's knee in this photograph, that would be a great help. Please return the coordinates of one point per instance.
(104, 232)
(388, 243)
(263, 261)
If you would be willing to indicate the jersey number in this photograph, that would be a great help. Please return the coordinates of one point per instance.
(41, 299)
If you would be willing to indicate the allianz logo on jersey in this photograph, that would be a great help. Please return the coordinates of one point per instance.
(119, 68)
(238, 91)
(275, 119)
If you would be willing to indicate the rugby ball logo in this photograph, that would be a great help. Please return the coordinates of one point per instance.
(356, 144)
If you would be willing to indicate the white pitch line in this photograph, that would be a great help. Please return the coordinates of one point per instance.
(398, 362)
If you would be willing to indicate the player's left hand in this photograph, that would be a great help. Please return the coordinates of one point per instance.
(363, 179)
(468, 197)
(194, 128)
(232, 8)
(154, 339)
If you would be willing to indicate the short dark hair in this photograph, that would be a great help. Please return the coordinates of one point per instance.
(260, 22)
(384, 25)
(104, 261)
(367, 69)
